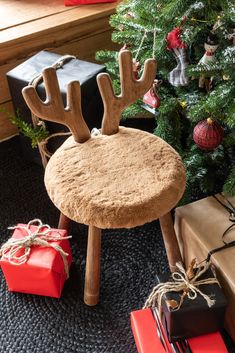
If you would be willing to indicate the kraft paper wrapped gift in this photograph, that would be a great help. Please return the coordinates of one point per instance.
(144, 329)
(43, 271)
(199, 228)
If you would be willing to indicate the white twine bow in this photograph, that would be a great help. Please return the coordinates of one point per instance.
(181, 283)
(41, 236)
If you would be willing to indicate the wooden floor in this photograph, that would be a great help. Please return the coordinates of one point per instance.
(28, 26)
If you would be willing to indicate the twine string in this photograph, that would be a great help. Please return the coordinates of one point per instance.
(41, 236)
(43, 144)
(154, 41)
(58, 64)
(181, 283)
(140, 46)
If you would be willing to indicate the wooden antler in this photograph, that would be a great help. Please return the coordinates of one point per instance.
(131, 90)
(53, 108)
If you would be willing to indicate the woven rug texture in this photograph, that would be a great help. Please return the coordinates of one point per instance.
(130, 260)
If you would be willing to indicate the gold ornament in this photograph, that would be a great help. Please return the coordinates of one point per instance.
(183, 104)
(226, 77)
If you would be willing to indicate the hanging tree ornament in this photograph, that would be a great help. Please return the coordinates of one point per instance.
(208, 134)
(151, 97)
(177, 77)
(210, 45)
(136, 68)
(135, 63)
(129, 15)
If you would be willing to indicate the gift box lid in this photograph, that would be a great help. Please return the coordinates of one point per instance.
(73, 69)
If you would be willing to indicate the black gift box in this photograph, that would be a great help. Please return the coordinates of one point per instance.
(73, 69)
(194, 317)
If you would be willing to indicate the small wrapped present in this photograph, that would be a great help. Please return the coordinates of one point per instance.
(36, 259)
(148, 339)
(191, 302)
(199, 227)
(68, 69)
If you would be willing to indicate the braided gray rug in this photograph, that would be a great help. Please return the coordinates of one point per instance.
(130, 260)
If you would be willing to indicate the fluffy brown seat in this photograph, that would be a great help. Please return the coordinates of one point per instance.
(117, 181)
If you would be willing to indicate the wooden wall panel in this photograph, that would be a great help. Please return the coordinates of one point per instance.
(86, 48)
(4, 89)
(14, 12)
(7, 129)
(30, 26)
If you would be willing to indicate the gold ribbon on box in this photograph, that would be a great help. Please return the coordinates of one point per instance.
(41, 236)
(184, 282)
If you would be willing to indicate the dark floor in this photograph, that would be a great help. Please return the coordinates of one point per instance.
(130, 260)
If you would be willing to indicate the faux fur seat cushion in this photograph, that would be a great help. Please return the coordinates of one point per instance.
(118, 181)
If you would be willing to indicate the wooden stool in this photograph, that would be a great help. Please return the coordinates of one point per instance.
(120, 178)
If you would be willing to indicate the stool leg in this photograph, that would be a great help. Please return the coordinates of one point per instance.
(92, 276)
(64, 222)
(170, 240)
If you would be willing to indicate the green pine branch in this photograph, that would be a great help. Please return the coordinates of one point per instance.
(183, 107)
(35, 134)
(229, 185)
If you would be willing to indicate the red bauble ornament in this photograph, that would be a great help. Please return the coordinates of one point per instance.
(208, 134)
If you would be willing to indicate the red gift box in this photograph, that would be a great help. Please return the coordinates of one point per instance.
(84, 2)
(44, 271)
(144, 329)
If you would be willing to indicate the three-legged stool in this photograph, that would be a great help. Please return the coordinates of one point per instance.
(120, 178)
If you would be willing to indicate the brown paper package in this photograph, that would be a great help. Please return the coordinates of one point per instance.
(199, 227)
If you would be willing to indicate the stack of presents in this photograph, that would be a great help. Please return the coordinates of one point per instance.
(187, 310)
(182, 319)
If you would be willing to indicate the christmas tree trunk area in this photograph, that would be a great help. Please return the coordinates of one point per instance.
(192, 97)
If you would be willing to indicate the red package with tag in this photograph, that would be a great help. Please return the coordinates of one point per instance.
(84, 2)
(148, 339)
(44, 269)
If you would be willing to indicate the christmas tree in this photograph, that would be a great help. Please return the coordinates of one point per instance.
(192, 98)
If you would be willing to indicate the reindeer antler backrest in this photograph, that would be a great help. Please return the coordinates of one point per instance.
(131, 90)
(53, 108)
